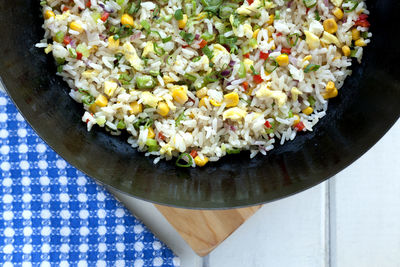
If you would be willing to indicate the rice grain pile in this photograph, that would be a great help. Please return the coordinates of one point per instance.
(199, 79)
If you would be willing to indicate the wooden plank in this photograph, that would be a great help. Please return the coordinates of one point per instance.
(204, 230)
(365, 211)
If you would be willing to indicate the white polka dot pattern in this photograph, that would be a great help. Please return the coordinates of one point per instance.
(53, 215)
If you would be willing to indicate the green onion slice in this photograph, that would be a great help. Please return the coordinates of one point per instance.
(180, 158)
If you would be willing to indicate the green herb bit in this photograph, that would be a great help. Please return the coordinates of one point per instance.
(121, 125)
(311, 67)
(207, 51)
(181, 116)
(145, 82)
(233, 151)
(178, 14)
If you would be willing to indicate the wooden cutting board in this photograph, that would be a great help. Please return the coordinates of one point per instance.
(204, 230)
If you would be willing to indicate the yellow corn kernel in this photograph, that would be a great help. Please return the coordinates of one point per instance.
(162, 109)
(308, 110)
(201, 15)
(101, 101)
(200, 161)
(202, 92)
(127, 20)
(93, 49)
(355, 34)
(49, 14)
(136, 108)
(337, 12)
(76, 26)
(330, 86)
(231, 99)
(296, 119)
(283, 60)
(360, 42)
(202, 102)
(215, 103)
(271, 19)
(330, 26)
(93, 108)
(255, 33)
(112, 43)
(182, 22)
(168, 79)
(346, 51)
(307, 58)
(150, 133)
(331, 94)
(180, 95)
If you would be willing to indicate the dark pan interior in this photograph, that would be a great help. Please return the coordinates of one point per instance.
(367, 106)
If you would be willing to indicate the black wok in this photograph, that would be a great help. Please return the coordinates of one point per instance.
(367, 106)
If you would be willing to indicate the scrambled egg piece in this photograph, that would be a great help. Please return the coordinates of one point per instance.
(167, 149)
(149, 99)
(110, 87)
(330, 39)
(89, 74)
(149, 48)
(295, 93)
(132, 57)
(247, 9)
(224, 59)
(202, 64)
(248, 63)
(234, 114)
(337, 3)
(63, 16)
(265, 92)
(312, 40)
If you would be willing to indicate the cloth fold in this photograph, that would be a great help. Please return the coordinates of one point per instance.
(51, 214)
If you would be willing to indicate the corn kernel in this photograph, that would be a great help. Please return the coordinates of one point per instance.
(355, 34)
(49, 14)
(330, 86)
(136, 108)
(271, 19)
(168, 79)
(200, 161)
(346, 50)
(308, 110)
(76, 26)
(215, 103)
(150, 133)
(93, 108)
(202, 102)
(101, 101)
(202, 92)
(127, 20)
(182, 22)
(180, 95)
(296, 119)
(283, 60)
(331, 94)
(337, 12)
(255, 33)
(231, 99)
(162, 109)
(307, 58)
(112, 43)
(360, 42)
(330, 26)
(93, 49)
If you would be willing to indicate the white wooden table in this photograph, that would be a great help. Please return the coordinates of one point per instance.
(349, 221)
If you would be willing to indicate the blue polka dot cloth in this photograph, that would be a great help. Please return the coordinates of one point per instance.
(51, 214)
